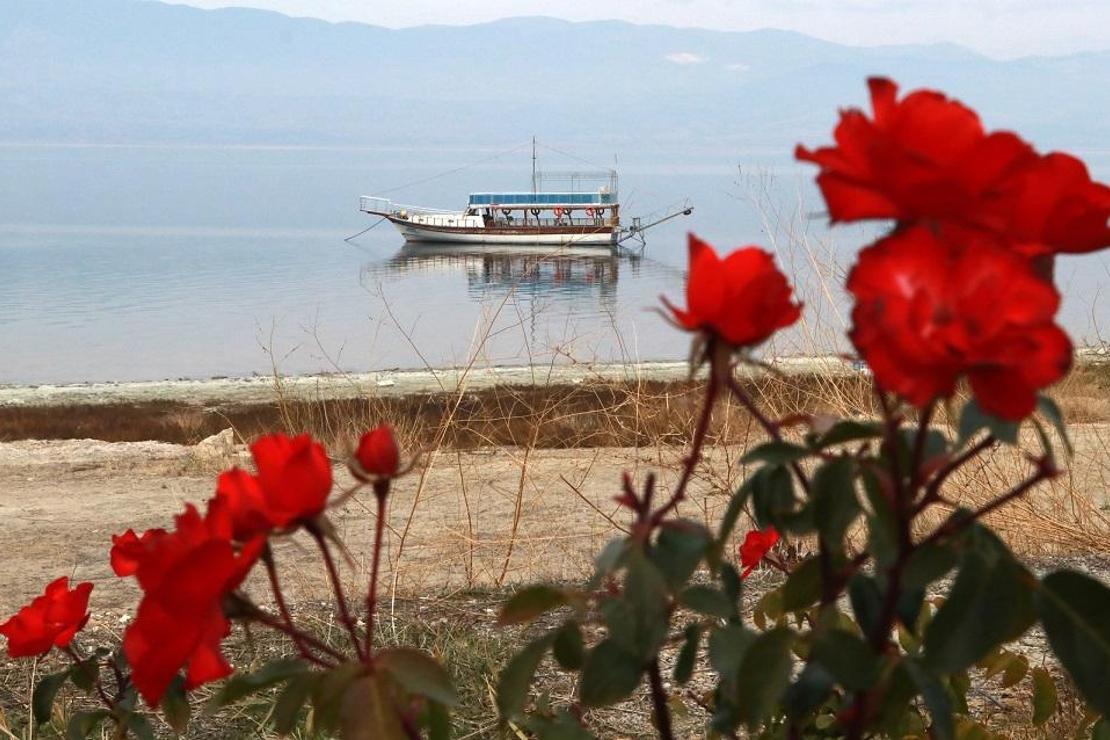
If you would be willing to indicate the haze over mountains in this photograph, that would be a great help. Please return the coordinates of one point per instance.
(112, 71)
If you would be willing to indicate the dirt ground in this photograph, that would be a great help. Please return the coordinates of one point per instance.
(461, 519)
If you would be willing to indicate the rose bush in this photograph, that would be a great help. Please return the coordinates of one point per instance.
(876, 634)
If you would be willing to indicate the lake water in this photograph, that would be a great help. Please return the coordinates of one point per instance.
(149, 263)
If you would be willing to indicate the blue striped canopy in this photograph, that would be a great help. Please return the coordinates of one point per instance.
(546, 199)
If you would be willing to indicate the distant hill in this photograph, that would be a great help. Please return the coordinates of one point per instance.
(135, 70)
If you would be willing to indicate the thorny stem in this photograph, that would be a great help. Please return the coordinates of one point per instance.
(1045, 471)
(257, 615)
(337, 587)
(695, 446)
(932, 491)
(381, 491)
(659, 701)
(298, 637)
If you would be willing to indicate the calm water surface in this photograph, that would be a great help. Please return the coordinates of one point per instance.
(192, 262)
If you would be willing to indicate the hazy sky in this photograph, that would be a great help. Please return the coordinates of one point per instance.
(1001, 28)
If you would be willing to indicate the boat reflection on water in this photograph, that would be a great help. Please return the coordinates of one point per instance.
(563, 273)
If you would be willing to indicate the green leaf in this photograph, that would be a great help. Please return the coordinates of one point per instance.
(245, 684)
(708, 601)
(175, 705)
(329, 696)
(645, 591)
(608, 559)
(1015, 670)
(568, 647)
(609, 675)
(83, 724)
(834, 498)
(678, 549)
(417, 673)
(438, 721)
(684, 664)
(776, 452)
(847, 658)
(516, 677)
(882, 526)
(287, 707)
(811, 688)
(867, 602)
(803, 586)
(973, 419)
(529, 603)
(1044, 696)
(1051, 411)
(732, 513)
(369, 711)
(85, 673)
(936, 700)
(139, 726)
(773, 498)
(563, 726)
(727, 647)
(42, 698)
(1073, 608)
(849, 430)
(991, 602)
(764, 675)
(928, 563)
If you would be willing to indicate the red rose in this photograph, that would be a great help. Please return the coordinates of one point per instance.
(184, 575)
(246, 504)
(742, 299)
(757, 543)
(1058, 208)
(50, 620)
(292, 485)
(928, 312)
(377, 453)
(922, 157)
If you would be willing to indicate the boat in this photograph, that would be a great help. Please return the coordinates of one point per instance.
(580, 209)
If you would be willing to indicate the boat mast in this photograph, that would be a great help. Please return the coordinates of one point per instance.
(534, 185)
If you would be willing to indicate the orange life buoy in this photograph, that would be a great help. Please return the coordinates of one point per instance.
(558, 213)
(590, 212)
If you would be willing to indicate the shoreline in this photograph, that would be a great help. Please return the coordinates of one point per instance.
(384, 383)
(399, 383)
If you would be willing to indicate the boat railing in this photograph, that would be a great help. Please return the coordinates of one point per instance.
(374, 204)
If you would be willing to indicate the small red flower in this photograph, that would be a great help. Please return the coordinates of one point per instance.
(377, 453)
(757, 543)
(743, 299)
(292, 485)
(180, 623)
(928, 312)
(50, 620)
(923, 157)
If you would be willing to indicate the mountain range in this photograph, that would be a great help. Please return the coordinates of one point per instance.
(127, 71)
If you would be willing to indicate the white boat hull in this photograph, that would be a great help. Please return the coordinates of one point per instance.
(603, 236)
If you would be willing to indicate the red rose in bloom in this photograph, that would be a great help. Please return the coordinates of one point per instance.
(292, 484)
(922, 157)
(742, 299)
(1058, 208)
(51, 620)
(377, 453)
(757, 543)
(927, 313)
(184, 575)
